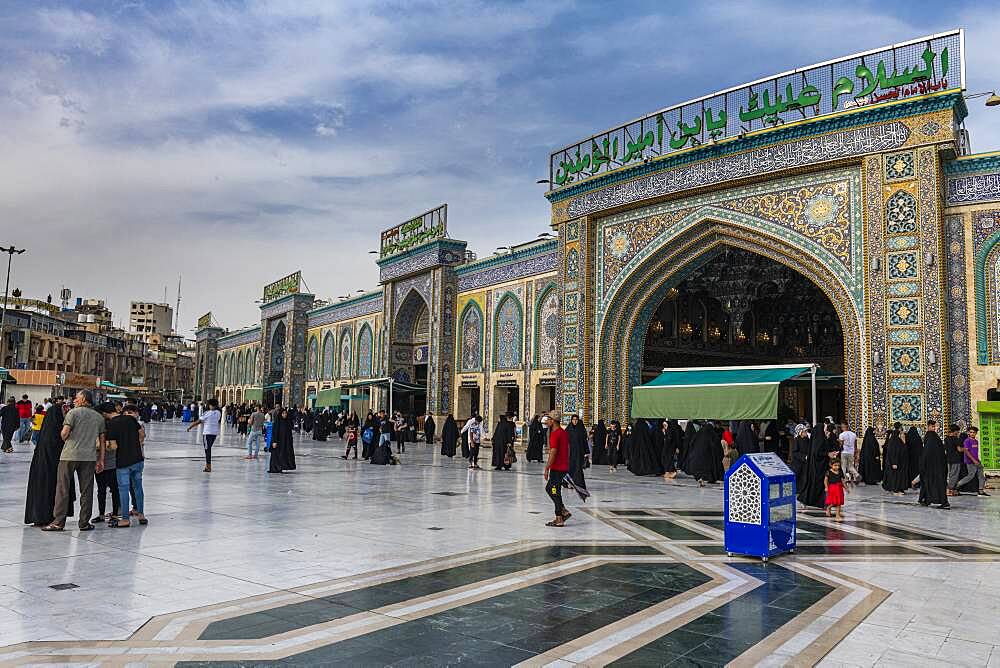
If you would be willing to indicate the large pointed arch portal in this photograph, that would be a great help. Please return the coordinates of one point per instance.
(631, 306)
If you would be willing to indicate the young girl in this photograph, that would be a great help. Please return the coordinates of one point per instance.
(833, 483)
(352, 441)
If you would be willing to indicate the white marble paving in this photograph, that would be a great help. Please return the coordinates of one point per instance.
(240, 532)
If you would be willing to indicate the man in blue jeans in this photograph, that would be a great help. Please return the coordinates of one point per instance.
(256, 435)
(129, 434)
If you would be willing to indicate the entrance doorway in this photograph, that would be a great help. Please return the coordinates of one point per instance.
(739, 308)
(468, 402)
(545, 398)
(507, 401)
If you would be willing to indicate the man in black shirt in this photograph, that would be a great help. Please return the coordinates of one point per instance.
(954, 452)
(130, 435)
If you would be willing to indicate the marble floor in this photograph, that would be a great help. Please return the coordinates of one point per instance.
(427, 563)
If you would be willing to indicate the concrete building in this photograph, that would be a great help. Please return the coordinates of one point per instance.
(147, 320)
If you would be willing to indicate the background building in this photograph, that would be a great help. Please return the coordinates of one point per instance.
(147, 320)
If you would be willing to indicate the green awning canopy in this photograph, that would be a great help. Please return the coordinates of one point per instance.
(6, 377)
(329, 397)
(714, 393)
(253, 394)
(397, 385)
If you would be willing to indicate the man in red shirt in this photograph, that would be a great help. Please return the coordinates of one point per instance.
(25, 409)
(557, 467)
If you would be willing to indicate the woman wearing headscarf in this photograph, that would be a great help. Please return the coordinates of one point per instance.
(599, 454)
(42, 475)
(690, 431)
(914, 451)
(895, 474)
(503, 438)
(449, 436)
(613, 444)
(772, 437)
(282, 457)
(870, 458)
(702, 454)
(811, 491)
(642, 460)
(746, 440)
(933, 470)
(429, 429)
(536, 440)
(672, 437)
(577, 450)
(799, 454)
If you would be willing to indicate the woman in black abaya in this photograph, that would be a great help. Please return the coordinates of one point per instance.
(811, 491)
(914, 452)
(799, 454)
(577, 450)
(772, 437)
(41, 496)
(894, 474)
(933, 472)
(449, 436)
(870, 459)
(672, 437)
(503, 438)
(536, 440)
(599, 454)
(689, 433)
(746, 440)
(703, 453)
(643, 461)
(429, 429)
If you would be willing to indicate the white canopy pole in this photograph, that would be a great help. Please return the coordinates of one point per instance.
(390, 396)
(812, 374)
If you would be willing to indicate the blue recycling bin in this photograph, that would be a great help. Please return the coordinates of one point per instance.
(186, 414)
(268, 430)
(759, 506)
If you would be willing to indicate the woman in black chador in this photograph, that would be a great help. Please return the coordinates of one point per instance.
(645, 458)
(870, 459)
(599, 453)
(799, 454)
(577, 450)
(914, 451)
(282, 452)
(811, 491)
(704, 459)
(672, 437)
(895, 474)
(933, 470)
(746, 440)
(503, 438)
(449, 436)
(429, 429)
(536, 440)
(689, 433)
(38, 505)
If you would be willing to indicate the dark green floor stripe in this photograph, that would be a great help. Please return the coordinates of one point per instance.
(719, 637)
(511, 627)
(256, 625)
(671, 530)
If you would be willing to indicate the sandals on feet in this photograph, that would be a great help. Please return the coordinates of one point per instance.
(555, 523)
(52, 527)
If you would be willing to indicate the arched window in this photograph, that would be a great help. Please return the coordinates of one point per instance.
(471, 330)
(328, 356)
(547, 323)
(508, 334)
(364, 354)
(345, 354)
(313, 358)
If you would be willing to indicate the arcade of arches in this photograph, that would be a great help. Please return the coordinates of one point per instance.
(873, 253)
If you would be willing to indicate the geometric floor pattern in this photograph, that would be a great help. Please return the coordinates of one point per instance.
(428, 564)
(670, 596)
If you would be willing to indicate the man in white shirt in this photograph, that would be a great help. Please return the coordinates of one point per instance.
(211, 418)
(848, 439)
(475, 428)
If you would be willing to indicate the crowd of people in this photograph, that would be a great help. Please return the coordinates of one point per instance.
(78, 445)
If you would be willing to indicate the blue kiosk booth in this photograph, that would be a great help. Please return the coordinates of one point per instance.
(759, 506)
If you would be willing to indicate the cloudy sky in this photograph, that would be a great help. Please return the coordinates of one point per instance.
(234, 142)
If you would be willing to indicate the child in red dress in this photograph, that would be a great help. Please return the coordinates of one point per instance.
(833, 483)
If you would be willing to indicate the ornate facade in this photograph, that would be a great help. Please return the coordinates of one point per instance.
(877, 206)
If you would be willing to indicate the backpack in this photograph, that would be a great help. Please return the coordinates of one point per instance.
(367, 435)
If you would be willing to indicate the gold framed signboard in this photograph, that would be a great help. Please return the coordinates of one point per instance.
(289, 285)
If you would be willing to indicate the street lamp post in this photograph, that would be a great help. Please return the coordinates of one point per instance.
(11, 252)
